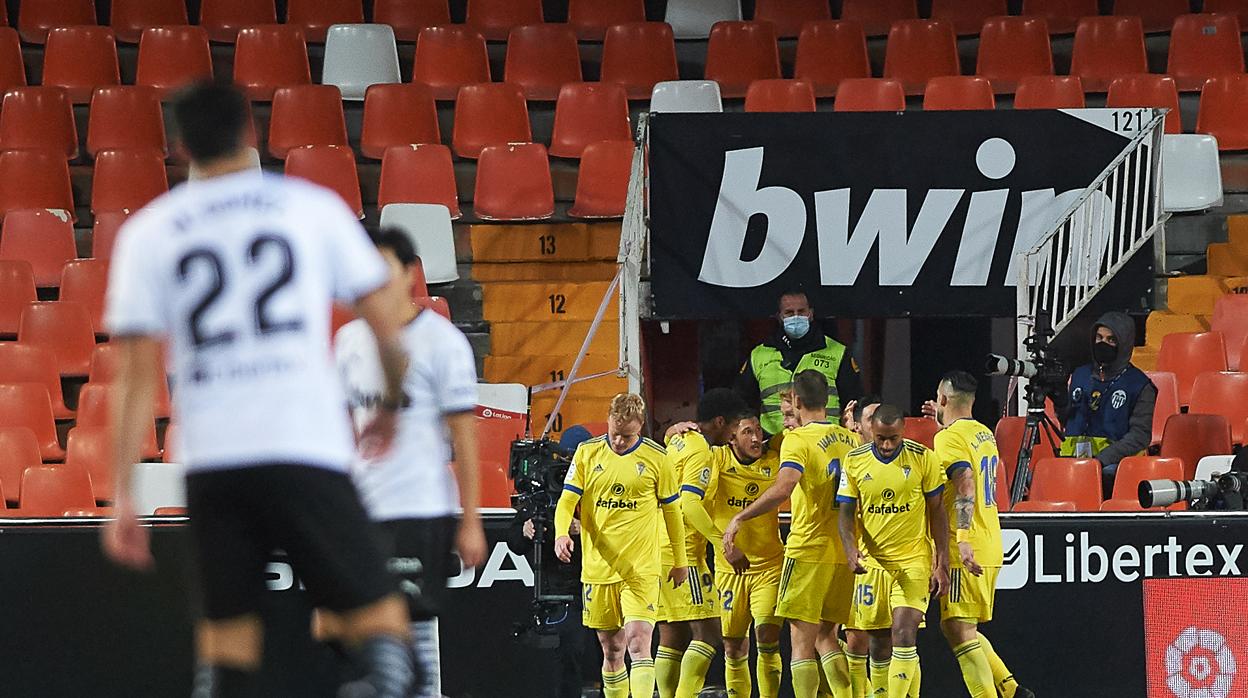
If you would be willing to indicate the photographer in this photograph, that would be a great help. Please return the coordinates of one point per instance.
(1110, 413)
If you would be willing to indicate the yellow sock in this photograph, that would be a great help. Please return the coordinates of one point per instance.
(770, 669)
(879, 678)
(1001, 676)
(615, 683)
(917, 683)
(975, 670)
(641, 678)
(858, 681)
(825, 691)
(737, 677)
(837, 673)
(693, 668)
(805, 677)
(667, 671)
(901, 671)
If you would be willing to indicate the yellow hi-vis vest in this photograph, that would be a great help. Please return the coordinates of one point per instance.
(774, 379)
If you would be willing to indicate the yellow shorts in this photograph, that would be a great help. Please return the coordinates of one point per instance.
(747, 598)
(910, 588)
(872, 607)
(815, 592)
(693, 600)
(610, 606)
(970, 597)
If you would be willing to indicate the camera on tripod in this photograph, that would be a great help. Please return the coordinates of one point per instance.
(1225, 493)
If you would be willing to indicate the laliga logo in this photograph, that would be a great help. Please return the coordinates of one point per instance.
(1200, 664)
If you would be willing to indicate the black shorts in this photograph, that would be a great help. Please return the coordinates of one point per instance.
(422, 560)
(239, 516)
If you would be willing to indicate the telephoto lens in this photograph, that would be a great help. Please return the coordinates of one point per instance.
(1163, 493)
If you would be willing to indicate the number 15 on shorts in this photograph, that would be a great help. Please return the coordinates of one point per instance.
(864, 595)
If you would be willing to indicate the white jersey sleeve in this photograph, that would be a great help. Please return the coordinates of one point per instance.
(457, 372)
(361, 269)
(132, 303)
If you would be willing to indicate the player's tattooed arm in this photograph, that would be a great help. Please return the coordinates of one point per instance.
(847, 526)
(963, 498)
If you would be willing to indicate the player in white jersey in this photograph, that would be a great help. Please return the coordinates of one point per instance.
(412, 490)
(236, 272)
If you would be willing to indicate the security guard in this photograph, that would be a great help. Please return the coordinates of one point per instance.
(798, 344)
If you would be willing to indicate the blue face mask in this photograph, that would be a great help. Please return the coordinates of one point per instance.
(796, 326)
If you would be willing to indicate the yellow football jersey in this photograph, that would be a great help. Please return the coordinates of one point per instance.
(730, 487)
(817, 451)
(968, 444)
(620, 500)
(689, 456)
(891, 502)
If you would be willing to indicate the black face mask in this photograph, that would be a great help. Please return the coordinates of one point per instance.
(1104, 353)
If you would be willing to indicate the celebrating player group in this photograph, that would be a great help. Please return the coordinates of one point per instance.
(881, 526)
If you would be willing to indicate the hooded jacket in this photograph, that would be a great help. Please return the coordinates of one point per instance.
(1115, 404)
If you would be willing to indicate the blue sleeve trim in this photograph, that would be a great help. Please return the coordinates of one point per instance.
(955, 466)
(796, 466)
(846, 499)
(574, 489)
(669, 500)
(936, 491)
(695, 490)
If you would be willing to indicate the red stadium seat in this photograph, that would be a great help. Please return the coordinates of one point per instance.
(104, 233)
(80, 59)
(94, 411)
(1223, 102)
(968, 16)
(62, 329)
(1061, 15)
(1202, 46)
(170, 57)
(130, 18)
(780, 96)
(270, 56)
(41, 238)
(84, 281)
(495, 19)
(332, 167)
(870, 94)
(447, 58)
(1002, 492)
(437, 304)
(789, 16)
(541, 58)
(38, 118)
(513, 183)
(919, 50)
(17, 289)
(1239, 8)
(1013, 48)
(958, 92)
(224, 18)
(420, 288)
(26, 405)
(1189, 354)
(1230, 317)
(1157, 91)
(591, 18)
(602, 180)
(19, 450)
(877, 16)
(409, 17)
(421, 174)
(306, 115)
(12, 69)
(739, 53)
(922, 429)
(90, 449)
(1075, 480)
(1133, 470)
(1049, 92)
(104, 370)
(829, 52)
(35, 179)
(588, 112)
(125, 118)
(315, 17)
(1167, 401)
(1107, 48)
(638, 55)
(1190, 437)
(169, 454)
(1042, 507)
(495, 437)
(22, 363)
(36, 17)
(1009, 435)
(126, 180)
(489, 114)
(397, 114)
(50, 490)
(1157, 15)
(1224, 393)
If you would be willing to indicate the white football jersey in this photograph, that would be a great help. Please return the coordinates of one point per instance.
(414, 479)
(238, 273)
